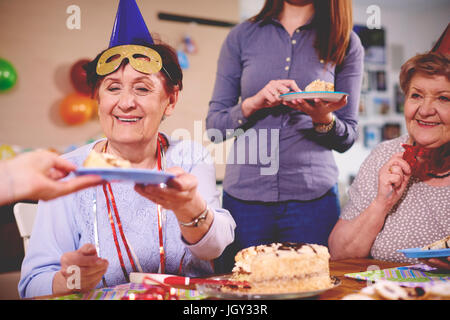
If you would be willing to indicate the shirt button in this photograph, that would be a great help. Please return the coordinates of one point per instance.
(294, 41)
(288, 59)
(286, 68)
(297, 30)
(240, 121)
(321, 61)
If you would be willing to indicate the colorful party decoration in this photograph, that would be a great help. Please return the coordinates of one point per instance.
(129, 40)
(8, 75)
(189, 44)
(6, 152)
(78, 77)
(71, 148)
(126, 291)
(77, 108)
(51, 149)
(129, 26)
(183, 59)
(409, 276)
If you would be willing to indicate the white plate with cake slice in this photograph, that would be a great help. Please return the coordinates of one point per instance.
(329, 96)
(240, 293)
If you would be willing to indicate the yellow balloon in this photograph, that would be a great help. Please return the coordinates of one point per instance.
(6, 152)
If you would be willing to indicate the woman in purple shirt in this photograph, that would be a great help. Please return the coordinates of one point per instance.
(281, 177)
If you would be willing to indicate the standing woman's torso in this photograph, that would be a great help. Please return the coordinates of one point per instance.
(305, 169)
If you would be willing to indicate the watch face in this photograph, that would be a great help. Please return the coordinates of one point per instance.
(324, 128)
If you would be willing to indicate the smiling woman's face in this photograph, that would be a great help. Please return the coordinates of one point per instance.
(427, 110)
(132, 105)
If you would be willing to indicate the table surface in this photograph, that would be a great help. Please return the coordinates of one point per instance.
(338, 269)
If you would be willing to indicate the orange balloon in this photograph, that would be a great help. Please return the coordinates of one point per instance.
(51, 149)
(77, 109)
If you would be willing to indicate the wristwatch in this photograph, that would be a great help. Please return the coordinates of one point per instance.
(324, 127)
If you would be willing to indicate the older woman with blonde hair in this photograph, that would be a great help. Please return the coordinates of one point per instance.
(401, 196)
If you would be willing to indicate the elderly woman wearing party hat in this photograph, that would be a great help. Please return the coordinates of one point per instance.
(114, 229)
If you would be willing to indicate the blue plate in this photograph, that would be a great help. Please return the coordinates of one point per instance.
(419, 253)
(143, 176)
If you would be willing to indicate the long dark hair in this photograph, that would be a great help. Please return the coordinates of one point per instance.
(333, 22)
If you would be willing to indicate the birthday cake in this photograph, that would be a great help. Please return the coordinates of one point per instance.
(282, 268)
(104, 160)
(319, 85)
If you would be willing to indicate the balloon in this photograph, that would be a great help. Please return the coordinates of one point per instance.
(6, 152)
(78, 77)
(77, 108)
(183, 59)
(8, 75)
(189, 45)
(70, 148)
(51, 149)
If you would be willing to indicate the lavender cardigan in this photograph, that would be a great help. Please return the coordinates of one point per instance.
(67, 223)
(277, 155)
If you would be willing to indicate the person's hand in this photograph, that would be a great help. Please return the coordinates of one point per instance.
(269, 96)
(320, 111)
(439, 263)
(180, 195)
(91, 270)
(35, 175)
(393, 178)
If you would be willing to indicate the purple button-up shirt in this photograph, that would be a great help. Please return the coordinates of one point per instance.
(277, 155)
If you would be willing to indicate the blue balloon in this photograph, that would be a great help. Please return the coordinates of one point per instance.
(70, 148)
(183, 59)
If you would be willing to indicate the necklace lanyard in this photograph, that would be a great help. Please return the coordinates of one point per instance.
(162, 260)
(111, 203)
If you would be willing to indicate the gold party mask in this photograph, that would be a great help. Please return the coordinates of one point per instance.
(112, 58)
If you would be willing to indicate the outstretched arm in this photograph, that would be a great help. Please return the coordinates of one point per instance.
(36, 176)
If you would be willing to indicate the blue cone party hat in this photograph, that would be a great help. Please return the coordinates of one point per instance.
(129, 26)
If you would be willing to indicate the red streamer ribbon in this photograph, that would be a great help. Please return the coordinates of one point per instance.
(154, 292)
(162, 144)
(122, 234)
(424, 161)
